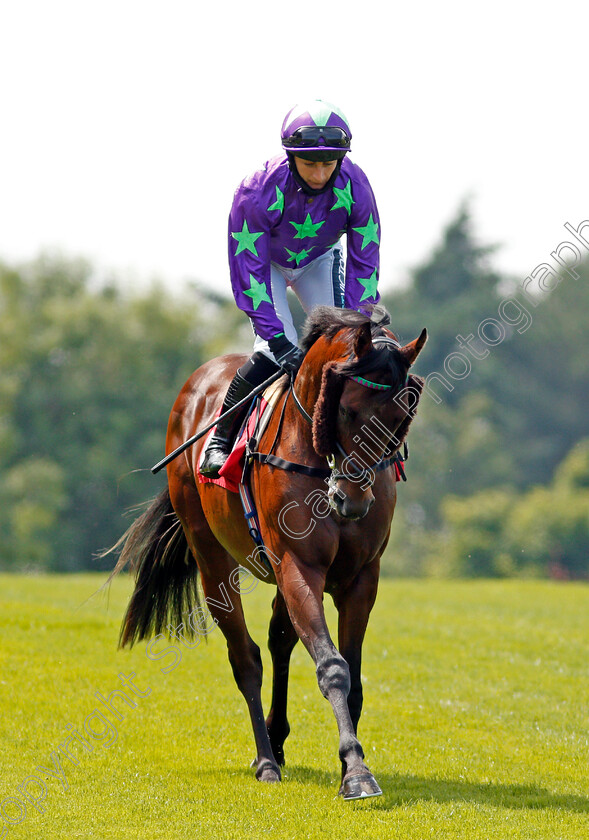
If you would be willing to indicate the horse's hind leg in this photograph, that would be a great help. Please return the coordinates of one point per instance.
(216, 567)
(282, 638)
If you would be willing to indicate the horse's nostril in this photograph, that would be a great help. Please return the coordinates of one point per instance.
(351, 511)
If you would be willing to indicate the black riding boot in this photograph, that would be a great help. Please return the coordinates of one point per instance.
(220, 444)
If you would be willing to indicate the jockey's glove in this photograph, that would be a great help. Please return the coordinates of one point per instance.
(288, 356)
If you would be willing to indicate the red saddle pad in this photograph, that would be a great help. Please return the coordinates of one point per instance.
(232, 469)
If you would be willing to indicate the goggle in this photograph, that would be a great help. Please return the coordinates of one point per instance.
(310, 135)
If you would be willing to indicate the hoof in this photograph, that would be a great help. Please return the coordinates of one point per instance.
(360, 787)
(267, 772)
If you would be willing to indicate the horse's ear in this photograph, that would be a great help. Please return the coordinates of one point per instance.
(363, 340)
(412, 350)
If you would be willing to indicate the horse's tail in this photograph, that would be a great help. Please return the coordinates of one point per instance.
(166, 573)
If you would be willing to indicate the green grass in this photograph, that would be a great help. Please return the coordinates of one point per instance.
(475, 721)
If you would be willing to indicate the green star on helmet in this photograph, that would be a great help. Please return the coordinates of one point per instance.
(279, 203)
(344, 197)
(370, 284)
(308, 229)
(369, 232)
(257, 292)
(319, 111)
(298, 258)
(246, 240)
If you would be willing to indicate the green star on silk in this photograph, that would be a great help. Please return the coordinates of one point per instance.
(279, 203)
(246, 240)
(307, 230)
(344, 197)
(369, 232)
(369, 284)
(257, 292)
(294, 257)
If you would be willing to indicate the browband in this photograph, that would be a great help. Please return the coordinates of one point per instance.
(386, 340)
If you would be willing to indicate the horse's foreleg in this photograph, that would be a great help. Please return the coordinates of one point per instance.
(354, 605)
(282, 638)
(302, 587)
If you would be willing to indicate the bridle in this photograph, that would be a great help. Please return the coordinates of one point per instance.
(382, 339)
(357, 473)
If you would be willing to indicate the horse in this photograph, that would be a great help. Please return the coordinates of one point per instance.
(349, 407)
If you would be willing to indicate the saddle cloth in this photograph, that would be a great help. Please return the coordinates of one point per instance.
(232, 470)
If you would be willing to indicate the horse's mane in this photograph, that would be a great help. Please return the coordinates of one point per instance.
(328, 320)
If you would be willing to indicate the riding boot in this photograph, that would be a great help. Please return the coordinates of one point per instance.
(220, 444)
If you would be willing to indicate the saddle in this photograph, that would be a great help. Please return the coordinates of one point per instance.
(258, 417)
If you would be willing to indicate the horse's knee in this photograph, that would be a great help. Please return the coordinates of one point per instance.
(333, 674)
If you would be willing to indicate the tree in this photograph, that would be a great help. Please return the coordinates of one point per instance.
(510, 421)
(499, 532)
(88, 375)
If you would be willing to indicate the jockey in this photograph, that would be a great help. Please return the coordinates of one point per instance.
(285, 227)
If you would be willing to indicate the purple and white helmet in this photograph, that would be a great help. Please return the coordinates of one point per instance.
(317, 131)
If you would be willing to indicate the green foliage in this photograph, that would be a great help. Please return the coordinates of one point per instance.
(508, 423)
(474, 544)
(495, 533)
(551, 524)
(32, 497)
(573, 473)
(88, 375)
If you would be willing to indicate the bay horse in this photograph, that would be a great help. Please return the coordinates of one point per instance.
(351, 405)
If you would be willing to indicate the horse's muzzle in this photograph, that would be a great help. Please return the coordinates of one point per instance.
(350, 509)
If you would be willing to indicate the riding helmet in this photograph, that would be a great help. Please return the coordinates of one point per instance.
(316, 130)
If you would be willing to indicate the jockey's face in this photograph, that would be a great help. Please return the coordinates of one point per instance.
(315, 173)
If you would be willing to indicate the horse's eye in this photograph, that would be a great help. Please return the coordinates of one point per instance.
(347, 414)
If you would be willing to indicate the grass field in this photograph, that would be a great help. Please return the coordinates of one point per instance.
(475, 722)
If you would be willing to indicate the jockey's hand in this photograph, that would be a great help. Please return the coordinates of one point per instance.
(288, 356)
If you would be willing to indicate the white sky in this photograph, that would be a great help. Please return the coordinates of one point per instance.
(126, 126)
